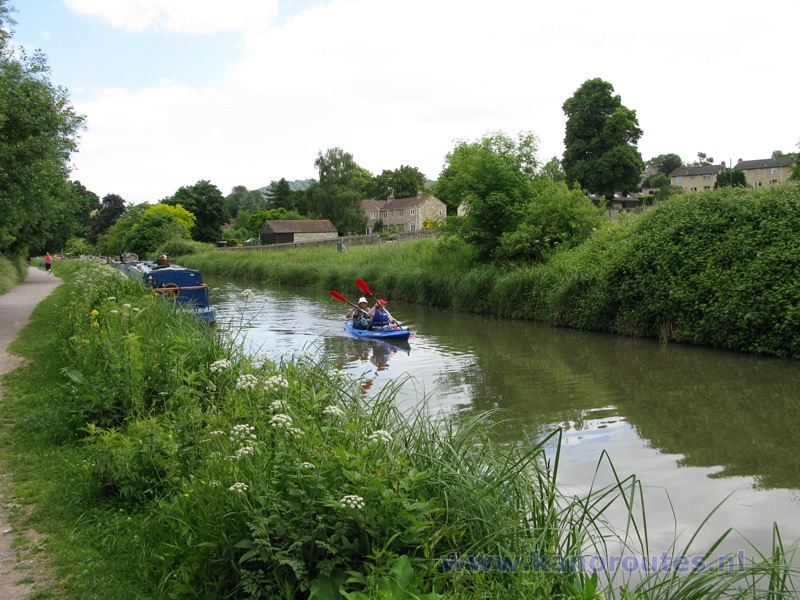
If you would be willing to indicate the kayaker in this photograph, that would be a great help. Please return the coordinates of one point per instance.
(379, 317)
(360, 314)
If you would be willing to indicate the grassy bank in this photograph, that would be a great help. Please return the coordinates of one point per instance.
(12, 271)
(718, 269)
(163, 462)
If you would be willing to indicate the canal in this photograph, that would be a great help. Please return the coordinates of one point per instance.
(698, 427)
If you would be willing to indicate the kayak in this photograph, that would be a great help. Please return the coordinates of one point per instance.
(388, 333)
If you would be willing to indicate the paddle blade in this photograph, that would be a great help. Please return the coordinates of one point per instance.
(338, 296)
(362, 285)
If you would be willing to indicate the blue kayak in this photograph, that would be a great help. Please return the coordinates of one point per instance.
(388, 333)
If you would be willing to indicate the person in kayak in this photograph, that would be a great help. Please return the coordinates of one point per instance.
(379, 318)
(360, 314)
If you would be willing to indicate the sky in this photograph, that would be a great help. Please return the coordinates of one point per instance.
(245, 92)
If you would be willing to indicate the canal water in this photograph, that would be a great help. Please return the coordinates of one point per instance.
(701, 429)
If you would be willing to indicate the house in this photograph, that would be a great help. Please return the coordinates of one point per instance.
(403, 214)
(696, 179)
(294, 231)
(766, 171)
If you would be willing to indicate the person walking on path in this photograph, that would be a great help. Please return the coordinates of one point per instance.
(16, 307)
(48, 261)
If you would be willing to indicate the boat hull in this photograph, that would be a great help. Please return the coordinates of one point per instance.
(388, 334)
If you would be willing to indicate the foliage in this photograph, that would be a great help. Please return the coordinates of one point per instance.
(337, 197)
(111, 209)
(12, 271)
(280, 196)
(182, 247)
(731, 178)
(553, 170)
(206, 203)
(555, 218)
(77, 246)
(241, 198)
(177, 213)
(665, 163)
(38, 132)
(404, 182)
(152, 230)
(492, 177)
(601, 137)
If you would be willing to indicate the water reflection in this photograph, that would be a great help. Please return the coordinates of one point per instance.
(696, 425)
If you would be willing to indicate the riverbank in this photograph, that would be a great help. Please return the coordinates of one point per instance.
(207, 473)
(719, 269)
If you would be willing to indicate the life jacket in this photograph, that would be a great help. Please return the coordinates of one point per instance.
(380, 318)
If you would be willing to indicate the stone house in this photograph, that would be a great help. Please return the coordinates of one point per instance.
(766, 171)
(696, 179)
(403, 214)
(295, 231)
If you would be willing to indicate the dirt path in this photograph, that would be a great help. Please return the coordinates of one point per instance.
(20, 575)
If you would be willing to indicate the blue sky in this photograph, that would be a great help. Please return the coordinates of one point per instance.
(248, 91)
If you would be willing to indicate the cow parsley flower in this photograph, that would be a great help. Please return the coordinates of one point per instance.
(247, 294)
(307, 465)
(334, 411)
(281, 421)
(238, 487)
(220, 365)
(351, 501)
(246, 381)
(381, 435)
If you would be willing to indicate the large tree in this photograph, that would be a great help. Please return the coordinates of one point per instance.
(491, 177)
(601, 136)
(241, 198)
(338, 194)
(665, 163)
(38, 132)
(207, 204)
(111, 209)
(280, 195)
(404, 182)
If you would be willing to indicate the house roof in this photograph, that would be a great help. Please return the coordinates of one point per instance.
(372, 204)
(299, 226)
(701, 170)
(764, 163)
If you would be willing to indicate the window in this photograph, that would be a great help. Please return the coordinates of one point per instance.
(411, 226)
(399, 212)
(706, 187)
(694, 189)
(691, 176)
(773, 171)
(757, 183)
(773, 181)
(384, 214)
(706, 177)
(413, 211)
(373, 215)
(758, 171)
(679, 179)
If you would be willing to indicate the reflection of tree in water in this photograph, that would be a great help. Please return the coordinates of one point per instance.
(736, 411)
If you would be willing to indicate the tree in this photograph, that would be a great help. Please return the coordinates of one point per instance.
(492, 177)
(665, 163)
(111, 209)
(601, 137)
(38, 131)
(731, 178)
(703, 160)
(404, 182)
(282, 196)
(553, 170)
(207, 204)
(337, 197)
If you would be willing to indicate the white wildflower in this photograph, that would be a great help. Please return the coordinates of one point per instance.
(381, 435)
(244, 451)
(334, 411)
(350, 501)
(296, 432)
(307, 465)
(277, 405)
(112, 298)
(281, 421)
(114, 311)
(246, 381)
(238, 487)
(126, 305)
(247, 293)
(220, 365)
(276, 381)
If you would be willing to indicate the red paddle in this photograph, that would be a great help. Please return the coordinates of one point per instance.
(341, 298)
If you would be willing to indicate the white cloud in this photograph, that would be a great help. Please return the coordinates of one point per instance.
(396, 83)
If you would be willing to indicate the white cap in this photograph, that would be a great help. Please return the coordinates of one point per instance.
(362, 299)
